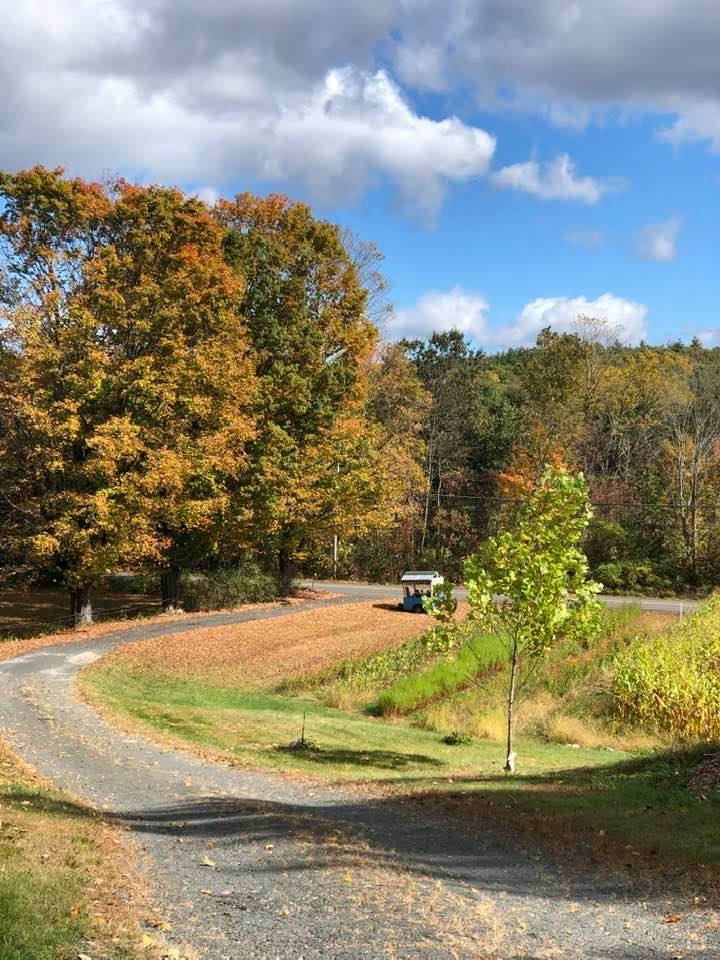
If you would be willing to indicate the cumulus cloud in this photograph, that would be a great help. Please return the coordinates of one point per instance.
(554, 180)
(561, 313)
(205, 93)
(438, 311)
(658, 241)
(467, 311)
(572, 60)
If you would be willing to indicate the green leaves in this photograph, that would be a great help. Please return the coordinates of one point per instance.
(538, 569)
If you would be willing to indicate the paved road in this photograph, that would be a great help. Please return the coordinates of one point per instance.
(372, 591)
(251, 866)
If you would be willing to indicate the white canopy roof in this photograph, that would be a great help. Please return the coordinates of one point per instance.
(420, 576)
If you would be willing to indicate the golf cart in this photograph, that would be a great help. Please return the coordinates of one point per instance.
(417, 584)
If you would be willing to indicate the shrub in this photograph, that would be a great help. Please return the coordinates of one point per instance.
(144, 583)
(672, 683)
(457, 738)
(634, 576)
(229, 588)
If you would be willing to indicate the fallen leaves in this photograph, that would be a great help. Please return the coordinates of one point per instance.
(250, 653)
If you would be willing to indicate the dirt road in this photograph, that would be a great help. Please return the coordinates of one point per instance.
(250, 866)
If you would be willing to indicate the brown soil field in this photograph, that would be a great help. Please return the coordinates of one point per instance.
(262, 653)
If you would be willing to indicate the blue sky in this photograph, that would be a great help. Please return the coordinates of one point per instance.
(517, 163)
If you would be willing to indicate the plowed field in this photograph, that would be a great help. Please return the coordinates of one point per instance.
(262, 653)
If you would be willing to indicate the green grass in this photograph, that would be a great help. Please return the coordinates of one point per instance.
(51, 852)
(36, 919)
(442, 678)
(255, 727)
(641, 803)
(641, 800)
(637, 798)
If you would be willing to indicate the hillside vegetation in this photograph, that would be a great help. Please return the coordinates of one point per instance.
(571, 699)
(672, 684)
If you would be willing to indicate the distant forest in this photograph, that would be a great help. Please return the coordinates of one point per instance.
(642, 423)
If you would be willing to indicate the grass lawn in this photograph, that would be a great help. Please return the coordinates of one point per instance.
(257, 728)
(60, 893)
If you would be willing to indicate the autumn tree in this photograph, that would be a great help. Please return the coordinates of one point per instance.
(306, 316)
(126, 402)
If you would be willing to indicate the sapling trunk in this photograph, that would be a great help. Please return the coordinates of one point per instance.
(170, 588)
(510, 753)
(81, 606)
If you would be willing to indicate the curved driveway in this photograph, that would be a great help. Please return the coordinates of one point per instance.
(252, 865)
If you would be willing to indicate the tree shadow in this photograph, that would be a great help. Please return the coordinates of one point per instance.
(382, 759)
(37, 801)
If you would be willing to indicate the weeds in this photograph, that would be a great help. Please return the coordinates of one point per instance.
(672, 684)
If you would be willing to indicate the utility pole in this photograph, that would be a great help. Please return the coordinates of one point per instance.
(335, 537)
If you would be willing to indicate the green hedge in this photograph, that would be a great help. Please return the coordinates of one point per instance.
(672, 683)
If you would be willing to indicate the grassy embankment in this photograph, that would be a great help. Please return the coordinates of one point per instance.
(64, 888)
(381, 715)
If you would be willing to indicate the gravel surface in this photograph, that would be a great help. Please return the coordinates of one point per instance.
(257, 866)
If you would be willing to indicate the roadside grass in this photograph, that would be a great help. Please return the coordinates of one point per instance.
(257, 729)
(637, 801)
(639, 804)
(60, 892)
(579, 770)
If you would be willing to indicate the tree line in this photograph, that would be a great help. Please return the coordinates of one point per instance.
(181, 386)
(185, 386)
(641, 423)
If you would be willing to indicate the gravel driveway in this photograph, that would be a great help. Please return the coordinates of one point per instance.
(252, 865)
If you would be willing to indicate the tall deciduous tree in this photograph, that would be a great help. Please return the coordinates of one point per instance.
(125, 405)
(306, 315)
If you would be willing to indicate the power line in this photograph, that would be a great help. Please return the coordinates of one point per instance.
(637, 504)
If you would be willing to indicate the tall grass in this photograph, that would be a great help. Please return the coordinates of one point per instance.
(409, 693)
(672, 683)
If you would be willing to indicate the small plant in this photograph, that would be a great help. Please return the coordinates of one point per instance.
(302, 744)
(458, 738)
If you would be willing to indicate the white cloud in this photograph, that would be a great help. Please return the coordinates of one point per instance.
(554, 180)
(585, 238)
(467, 311)
(697, 122)
(709, 337)
(205, 94)
(658, 241)
(572, 61)
(561, 313)
(437, 311)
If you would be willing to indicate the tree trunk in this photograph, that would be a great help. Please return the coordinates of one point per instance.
(170, 588)
(510, 753)
(81, 606)
(286, 569)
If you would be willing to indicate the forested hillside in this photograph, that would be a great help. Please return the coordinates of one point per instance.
(641, 422)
